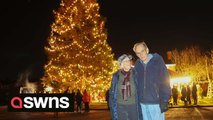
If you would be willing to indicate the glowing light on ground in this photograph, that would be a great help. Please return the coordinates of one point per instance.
(180, 80)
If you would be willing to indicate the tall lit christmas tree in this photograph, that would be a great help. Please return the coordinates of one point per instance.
(78, 54)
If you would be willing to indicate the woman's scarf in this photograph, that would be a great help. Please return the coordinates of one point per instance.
(126, 88)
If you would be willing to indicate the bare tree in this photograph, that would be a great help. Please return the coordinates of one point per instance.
(191, 61)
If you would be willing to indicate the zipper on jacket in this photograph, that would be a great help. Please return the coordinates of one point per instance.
(144, 84)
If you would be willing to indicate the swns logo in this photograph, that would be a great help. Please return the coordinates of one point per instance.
(40, 103)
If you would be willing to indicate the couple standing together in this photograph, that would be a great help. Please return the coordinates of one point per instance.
(142, 92)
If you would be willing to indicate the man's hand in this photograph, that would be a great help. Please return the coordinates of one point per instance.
(164, 106)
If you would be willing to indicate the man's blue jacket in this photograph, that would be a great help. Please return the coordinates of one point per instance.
(153, 81)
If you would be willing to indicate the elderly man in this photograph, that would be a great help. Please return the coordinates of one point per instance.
(153, 83)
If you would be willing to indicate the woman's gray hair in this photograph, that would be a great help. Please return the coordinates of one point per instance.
(122, 57)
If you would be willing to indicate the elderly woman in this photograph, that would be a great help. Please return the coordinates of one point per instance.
(123, 99)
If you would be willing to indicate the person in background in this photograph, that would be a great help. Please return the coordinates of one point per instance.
(175, 94)
(86, 100)
(78, 99)
(153, 83)
(188, 94)
(107, 98)
(183, 93)
(194, 93)
(123, 98)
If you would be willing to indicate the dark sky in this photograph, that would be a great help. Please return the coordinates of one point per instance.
(25, 26)
(164, 26)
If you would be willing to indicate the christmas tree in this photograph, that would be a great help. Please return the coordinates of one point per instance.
(78, 54)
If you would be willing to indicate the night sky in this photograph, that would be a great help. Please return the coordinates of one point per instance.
(25, 26)
(164, 26)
